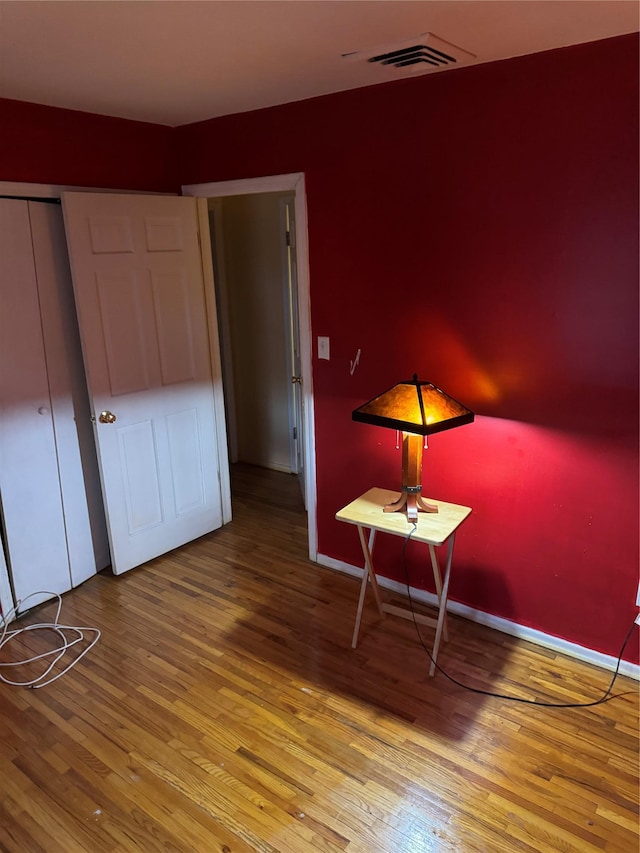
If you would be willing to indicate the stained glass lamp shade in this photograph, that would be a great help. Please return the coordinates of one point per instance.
(417, 409)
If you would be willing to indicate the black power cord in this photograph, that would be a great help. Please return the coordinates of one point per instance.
(606, 696)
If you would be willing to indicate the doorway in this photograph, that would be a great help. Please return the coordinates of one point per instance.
(254, 320)
(280, 185)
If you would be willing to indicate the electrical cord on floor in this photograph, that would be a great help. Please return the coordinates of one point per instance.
(77, 635)
(606, 696)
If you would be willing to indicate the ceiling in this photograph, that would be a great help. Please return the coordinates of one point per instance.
(174, 62)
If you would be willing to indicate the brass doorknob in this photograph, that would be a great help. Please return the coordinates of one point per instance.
(107, 418)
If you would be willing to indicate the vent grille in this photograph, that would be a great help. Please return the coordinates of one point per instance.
(422, 53)
(413, 56)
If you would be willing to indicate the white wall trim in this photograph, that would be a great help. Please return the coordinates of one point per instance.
(12, 188)
(268, 184)
(277, 183)
(532, 635)
(21, 190)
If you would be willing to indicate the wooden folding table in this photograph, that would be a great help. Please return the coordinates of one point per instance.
(432, 529)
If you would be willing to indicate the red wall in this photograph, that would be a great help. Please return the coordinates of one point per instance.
(45, 145)
(480, 228)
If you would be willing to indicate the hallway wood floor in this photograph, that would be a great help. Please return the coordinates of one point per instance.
(224, 711)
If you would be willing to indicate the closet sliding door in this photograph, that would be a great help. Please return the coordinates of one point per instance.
(52, 534)
(80, 490)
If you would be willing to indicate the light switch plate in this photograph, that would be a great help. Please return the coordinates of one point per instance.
(323, 348)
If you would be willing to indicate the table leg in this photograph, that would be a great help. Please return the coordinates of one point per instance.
(437, 577)
(443, 605)
(368, 574)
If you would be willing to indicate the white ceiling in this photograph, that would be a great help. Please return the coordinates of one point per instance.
(178, 61)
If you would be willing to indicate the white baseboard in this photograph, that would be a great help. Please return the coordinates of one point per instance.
(497, 622)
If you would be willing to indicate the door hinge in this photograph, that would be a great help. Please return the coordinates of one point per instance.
(288, 238)
(295, 433)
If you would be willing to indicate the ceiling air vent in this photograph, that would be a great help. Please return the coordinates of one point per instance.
(419, 54)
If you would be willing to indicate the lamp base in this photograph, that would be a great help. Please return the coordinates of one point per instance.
(411, 480)
(414, 502)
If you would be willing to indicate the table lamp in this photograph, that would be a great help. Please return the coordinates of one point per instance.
(417, 409)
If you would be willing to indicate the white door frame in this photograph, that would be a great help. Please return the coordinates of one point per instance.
(278, 183)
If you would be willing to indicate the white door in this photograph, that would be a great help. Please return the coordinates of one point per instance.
(139, 289)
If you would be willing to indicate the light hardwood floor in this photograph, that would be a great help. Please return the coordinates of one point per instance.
(224, 711)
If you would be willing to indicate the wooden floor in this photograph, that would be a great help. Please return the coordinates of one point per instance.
(224, 711)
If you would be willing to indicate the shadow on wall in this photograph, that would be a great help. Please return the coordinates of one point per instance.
(481, 588)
